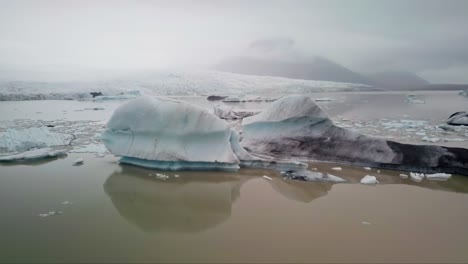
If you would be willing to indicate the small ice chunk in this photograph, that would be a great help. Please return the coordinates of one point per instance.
(432, 140)
(417, 177)
(337, 168)
(403, 176)
(176, 176)
(306, 175)
(78, 161)
(438, 176)
(367, 168)
(323, 99)
(66, 202)
(366, 223)
(268, 178)
(162, 176)
(369, 179)
(454, 139)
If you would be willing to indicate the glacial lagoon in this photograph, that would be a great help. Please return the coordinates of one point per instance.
(103, 211)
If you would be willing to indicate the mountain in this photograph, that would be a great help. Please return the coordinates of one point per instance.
(316, 68)
(278, 57)
(397, 80)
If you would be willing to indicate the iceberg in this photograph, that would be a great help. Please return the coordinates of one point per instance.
(32, 138)
(295, 127)
(170, 135)
(458, 119)
(174, 135)
(34, 154)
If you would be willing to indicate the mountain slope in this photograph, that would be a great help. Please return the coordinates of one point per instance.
(397, 80)
(316, 68)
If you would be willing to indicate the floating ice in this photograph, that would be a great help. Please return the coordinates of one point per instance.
(438, 176)
(232, 99)
(32, 138)
(78, 161)
(458, 119)
(337, 168)
(412, 99)
(306, 175)
(417, 177)
(368, 179)
(432, 140)
(170, 135)
(295, 126)
(90, 148)
(226, 112)
(173, 135)
(367, 168)
(323, 99)
(266, 177)
(34, 154)
(403, 176)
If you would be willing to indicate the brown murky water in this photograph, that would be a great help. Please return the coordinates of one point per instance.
(111, 213)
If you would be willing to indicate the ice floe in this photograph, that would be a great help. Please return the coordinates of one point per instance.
(14, 140)
(306, 175)
(226, 112)
(417, 177)
(78, 161)
(34, 154)
(369, 179)
(438, 176)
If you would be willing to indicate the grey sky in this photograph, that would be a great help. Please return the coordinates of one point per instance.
(429, 38)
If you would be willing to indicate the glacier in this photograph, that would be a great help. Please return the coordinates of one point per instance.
(295, 127)
(168, 83)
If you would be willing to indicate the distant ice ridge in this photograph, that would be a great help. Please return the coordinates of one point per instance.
(32, 138)
(174, 135)
(164, 83)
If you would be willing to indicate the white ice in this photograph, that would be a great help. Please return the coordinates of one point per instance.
(417, 177)
(369, 179)
(438, 176)
(163, 130)
(226, 112)
(41, 153)
(167, 83)
(36, 137)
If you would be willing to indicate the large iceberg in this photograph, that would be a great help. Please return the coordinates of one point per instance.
(174, 135)
(295, 126)
(32, 138)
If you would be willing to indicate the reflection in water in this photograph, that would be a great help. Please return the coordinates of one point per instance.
(193, 202)
(197, 201)
(189, 203)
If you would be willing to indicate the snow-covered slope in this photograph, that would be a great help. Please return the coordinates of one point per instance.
(171, 83)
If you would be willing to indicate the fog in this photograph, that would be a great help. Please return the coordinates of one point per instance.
(61, 40)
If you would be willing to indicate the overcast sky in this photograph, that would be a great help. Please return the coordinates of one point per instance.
(429, 38)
